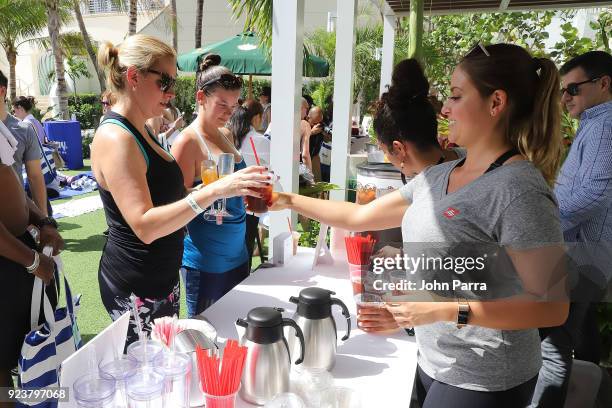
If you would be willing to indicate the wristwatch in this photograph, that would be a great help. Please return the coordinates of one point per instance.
(463, 311)
(47, 221)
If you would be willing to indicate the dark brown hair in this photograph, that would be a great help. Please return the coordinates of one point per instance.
(404, 112)
(240, 121)
(26, 102)
(209, 69)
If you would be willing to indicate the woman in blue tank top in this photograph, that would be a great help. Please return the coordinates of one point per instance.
(215, 257)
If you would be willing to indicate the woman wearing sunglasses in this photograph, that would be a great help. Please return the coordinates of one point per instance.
(215, 258)
(504, 110)
(141, 185)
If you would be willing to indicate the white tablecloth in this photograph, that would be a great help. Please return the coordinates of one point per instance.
(380, 367)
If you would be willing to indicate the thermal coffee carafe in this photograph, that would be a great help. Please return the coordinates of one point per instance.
(267, 365)
(314, 317)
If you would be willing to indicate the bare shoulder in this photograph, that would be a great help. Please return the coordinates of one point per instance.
(114, 144)
(185, 139)
(186, 146)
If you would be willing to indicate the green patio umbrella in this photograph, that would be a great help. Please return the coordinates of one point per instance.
(243, 55)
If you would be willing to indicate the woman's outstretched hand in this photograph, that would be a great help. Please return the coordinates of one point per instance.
(245, 182)
(279, 201)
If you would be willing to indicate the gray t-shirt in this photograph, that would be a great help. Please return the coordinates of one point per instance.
(27, 143)
(509, 205)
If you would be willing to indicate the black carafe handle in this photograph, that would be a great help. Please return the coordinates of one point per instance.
(242, 323)
(346, 314)
(299, 334)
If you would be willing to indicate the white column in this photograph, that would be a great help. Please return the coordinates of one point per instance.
(388, 48)
(287, 60)
(343, 95)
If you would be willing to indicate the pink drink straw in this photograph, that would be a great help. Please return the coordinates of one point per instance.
(254, 150)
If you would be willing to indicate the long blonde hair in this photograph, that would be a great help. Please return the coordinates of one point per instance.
(140, 51)
(532, 123)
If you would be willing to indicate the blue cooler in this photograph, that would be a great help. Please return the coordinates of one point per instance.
(68, 134)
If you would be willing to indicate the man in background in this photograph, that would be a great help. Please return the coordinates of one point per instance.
(584, 193)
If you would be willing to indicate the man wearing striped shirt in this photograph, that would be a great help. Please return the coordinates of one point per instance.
(584, 193)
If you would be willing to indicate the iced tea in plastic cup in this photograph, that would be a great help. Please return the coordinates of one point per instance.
(260, 205)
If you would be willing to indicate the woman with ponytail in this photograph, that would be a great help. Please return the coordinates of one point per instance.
(141, 185)
(504, 110)
(215, 258)
(243, 124)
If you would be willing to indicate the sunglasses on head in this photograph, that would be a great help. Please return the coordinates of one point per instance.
(165, 81)
(227, 81)
(105, 103)
(477, 49)
(574, 88)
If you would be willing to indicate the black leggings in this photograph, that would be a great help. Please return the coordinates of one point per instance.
(434, 394)
(252, 224)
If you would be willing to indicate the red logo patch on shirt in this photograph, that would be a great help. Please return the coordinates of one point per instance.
(450, 212)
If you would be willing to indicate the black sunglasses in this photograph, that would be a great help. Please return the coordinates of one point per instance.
(227, 81)
(166, 82)
(574, 88)
(105, 103)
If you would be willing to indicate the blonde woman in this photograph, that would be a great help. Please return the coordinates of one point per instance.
(141, 185)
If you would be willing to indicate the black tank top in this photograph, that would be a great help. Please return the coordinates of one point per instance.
(128, 264)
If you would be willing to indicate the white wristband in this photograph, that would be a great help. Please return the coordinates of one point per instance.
(193, 204)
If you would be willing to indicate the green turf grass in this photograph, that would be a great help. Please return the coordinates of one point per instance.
(84, 242)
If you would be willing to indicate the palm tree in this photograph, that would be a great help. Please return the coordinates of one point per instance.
(19, 20)
(258, 14)
(198, 29)
(174, 25)
(133, 13)
(54, 24)
(90, 50)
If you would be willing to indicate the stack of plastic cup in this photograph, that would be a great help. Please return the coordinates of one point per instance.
(145, 389)
(144, 351)
(120, 370)
(90, 391)
(286, 400)
(176, 370)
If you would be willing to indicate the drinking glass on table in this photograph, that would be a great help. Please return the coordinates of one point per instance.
(225, 167)
(208, 172)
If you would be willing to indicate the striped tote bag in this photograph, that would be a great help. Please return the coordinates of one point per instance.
(48, 344)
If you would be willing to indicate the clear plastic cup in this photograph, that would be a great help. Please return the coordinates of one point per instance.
(119, 370)
(356, 274)
(314, 386)
(90, 391)
(176, 369)
(286, 400)
(136, 350)
(221, 401)
(371, 301)
(145, 389)
(296, 239)
(346, 398)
